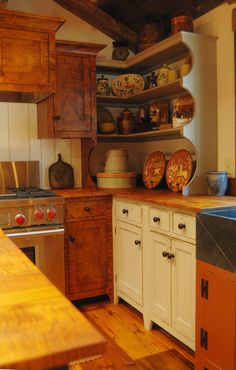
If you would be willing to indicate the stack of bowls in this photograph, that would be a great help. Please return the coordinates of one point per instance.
(117, 174)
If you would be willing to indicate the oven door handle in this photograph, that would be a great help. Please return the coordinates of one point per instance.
(39, 232)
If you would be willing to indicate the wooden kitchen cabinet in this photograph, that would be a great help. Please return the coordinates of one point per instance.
(71, 112)
(216, 318)
(88, 252)
(27, 63)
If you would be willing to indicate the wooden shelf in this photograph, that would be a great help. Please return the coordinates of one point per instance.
(169, 90)
(171, 49)
(172, 133)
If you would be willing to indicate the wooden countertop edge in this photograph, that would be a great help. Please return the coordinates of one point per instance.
(193, 203)
(40, 328)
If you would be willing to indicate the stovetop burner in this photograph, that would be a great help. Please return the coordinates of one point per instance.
(31, 192)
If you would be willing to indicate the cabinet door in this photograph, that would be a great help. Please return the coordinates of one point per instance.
(183, 287)
(160, 277)
(215, 333)
(24, 60)
(129, 260)
(87, 257)
(74, 102)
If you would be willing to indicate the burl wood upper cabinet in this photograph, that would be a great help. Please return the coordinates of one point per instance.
(27, 55)
(71, 112)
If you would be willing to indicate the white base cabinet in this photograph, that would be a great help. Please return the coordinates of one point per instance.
(154, 265)
(172, 287)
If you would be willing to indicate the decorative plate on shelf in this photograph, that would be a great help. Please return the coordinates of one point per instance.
(127, 85)
(154, 169)
(179, 170)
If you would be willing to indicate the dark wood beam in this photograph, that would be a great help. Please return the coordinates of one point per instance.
(230, 1)
(99, 19)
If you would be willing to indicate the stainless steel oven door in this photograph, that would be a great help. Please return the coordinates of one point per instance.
(45, 248)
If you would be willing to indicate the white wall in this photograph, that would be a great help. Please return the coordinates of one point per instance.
(18, 121)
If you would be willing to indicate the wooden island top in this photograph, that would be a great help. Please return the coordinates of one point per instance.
(194, 203)
(39, 327)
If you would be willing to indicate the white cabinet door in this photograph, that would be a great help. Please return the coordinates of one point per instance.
(129, 261)
(160, 288)
(183, 287)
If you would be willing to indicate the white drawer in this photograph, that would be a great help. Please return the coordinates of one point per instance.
(184, 225)
(128, 211)
(159, 219)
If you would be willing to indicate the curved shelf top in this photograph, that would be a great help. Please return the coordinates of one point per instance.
(156, 55)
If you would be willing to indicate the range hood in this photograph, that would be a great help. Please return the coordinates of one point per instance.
(27, 63)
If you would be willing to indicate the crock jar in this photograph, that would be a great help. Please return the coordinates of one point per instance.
(103, 87)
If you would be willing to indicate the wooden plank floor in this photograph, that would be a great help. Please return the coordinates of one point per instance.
(130, 345)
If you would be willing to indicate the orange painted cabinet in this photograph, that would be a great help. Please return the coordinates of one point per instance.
(88, 254)
(71, 112)
(216, 318)
(27, 49)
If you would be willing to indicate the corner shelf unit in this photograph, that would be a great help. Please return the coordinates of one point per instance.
(201, 83)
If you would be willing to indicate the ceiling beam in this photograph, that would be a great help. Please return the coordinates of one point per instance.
(99, 19)
(230, 1)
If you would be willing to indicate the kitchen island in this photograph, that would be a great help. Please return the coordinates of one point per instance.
(39, 328)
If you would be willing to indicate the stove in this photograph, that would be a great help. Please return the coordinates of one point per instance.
(33, 218)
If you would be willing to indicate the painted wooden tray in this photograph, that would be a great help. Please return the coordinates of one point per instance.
(179, 170)
(127, 85)
(154, 169)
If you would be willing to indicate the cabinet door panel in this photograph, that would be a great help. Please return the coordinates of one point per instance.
(160, 278)
(216, 315)
(20, 67)
(73, 103)
(129, 260)
(183, 288)
(87, 255)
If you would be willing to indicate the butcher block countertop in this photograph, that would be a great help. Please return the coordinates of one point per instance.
(194, 203)
(39, 327)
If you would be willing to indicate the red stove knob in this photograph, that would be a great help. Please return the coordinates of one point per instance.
(39, 214)
(51, 212)
(19, 219)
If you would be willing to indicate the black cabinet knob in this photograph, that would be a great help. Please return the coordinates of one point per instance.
(164, 254)
(71, 238)
(156, 219)
(57, 118)
(87, 209)
(170, 255)
(137, 242)
(181, 226)
(125, 211)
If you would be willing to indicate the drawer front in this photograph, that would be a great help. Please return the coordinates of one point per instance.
(184, 225)
(159, 219)
(128, 211)
(81, 209)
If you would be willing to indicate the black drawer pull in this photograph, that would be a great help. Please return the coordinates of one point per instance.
(137, 242)
(170, 255)
(156, 219)
(87, 209)
(71, 238)
(125, 211)
(181, 226)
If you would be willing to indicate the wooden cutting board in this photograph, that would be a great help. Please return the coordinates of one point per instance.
(61, 175)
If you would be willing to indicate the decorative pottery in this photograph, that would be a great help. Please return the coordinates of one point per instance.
(183, 110)
(154, 169)
(162, 78)
(182, 21)
(103, 87)
(179, 170)
(120, 51)
(116, 160)
(126, 122)
(127, 85)
(217, 182)
(150, 34)
(107, 127)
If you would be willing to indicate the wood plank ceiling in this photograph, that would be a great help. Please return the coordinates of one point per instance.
(122, 20)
